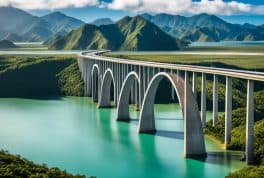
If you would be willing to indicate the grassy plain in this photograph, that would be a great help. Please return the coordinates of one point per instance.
(247, 57)
(253, 62)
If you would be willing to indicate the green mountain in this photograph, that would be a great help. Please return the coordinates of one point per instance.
(102, 21)
(204, 27)
(18, 25)
(127, 34)
(7, 44)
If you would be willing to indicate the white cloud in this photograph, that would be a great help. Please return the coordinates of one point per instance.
(140, 6)
(185, 6)
(47, 4)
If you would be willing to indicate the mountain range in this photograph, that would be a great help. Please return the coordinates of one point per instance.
(127, 34)
(18, 25)
(204, 27)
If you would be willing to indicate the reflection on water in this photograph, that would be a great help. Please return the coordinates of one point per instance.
(71, 133)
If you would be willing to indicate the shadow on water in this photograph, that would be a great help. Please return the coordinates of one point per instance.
(146, 142)
(170, 134)
(218, 158)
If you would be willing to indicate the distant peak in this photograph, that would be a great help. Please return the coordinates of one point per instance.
(55, 14)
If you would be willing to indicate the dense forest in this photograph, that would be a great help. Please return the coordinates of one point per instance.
(12, 166)
(46, 76)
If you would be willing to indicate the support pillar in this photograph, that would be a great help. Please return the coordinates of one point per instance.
(215, 100)
(250, 123)
(194, 85)
(228, 111)
(203, 100)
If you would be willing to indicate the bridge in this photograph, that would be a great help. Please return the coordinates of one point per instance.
(137, 82)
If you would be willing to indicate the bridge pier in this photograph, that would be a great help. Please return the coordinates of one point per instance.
(193, 133)
(228, 111)
(215, 100)
(203, 100)
(250, 123)
(194, 84)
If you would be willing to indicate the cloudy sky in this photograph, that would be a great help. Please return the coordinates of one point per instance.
(236, 11)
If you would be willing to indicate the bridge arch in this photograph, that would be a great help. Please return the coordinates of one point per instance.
(123, 100)
(105, 94)
(193, 133)
(95, 82)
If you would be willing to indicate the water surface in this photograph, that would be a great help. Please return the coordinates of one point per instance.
(72, 134)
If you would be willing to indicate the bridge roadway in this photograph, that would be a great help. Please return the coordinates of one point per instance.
(243, 74)
(139, 81)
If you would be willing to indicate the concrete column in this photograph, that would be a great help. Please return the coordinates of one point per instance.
(172, 89)
(89, 79)
(194, 84)
(148, 69)
(132, 92)
(250, 123)
(118, 80)
(136, 91)
(141, 89)
(215, 100)
(178, 75)
(85, 78)
(228, 110)
(203, 100)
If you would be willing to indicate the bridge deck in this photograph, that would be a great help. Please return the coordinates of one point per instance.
(243, 74)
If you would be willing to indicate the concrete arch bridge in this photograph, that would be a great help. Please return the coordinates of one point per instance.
(138, 81)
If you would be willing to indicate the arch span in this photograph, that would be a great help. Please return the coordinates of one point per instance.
(105, 99)
(123, 101)
(193, 134)
(95, 82)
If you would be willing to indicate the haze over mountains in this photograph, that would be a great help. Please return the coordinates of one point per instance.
(102, 21)
(19, 26)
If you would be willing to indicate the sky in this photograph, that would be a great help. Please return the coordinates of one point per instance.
(234, 11)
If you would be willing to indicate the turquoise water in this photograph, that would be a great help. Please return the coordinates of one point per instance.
(72, 134)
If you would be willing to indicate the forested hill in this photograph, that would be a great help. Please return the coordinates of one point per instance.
(129, 33)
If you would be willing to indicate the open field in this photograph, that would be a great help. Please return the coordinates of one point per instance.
(253, 62)
(252, 49)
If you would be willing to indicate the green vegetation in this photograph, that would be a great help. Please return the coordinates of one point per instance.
(231, 61)
(248, 172)
(31, 76)
(7, 44)
(14, 167)
(127, 34)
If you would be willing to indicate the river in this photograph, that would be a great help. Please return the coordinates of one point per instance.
(72, 134)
